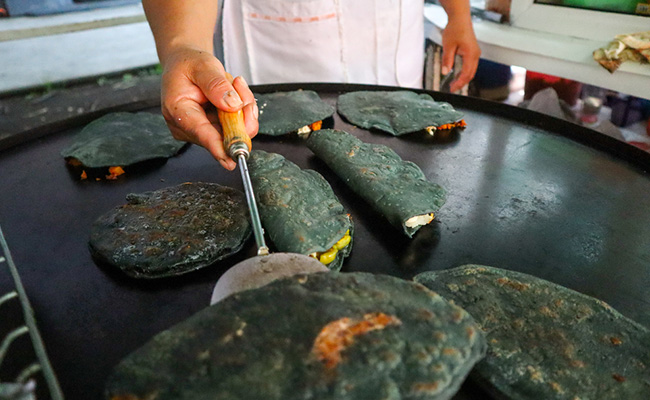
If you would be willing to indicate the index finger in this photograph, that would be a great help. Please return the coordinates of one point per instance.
(193, 123)
(448, 55)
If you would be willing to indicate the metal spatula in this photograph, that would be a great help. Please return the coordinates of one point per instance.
(265, 267)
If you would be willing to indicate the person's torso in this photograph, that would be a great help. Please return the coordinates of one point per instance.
(350, 41)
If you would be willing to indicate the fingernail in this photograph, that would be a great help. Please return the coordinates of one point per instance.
(241, 78)
(256, 111)
(232, 99)
(445, 70)
(226, 163)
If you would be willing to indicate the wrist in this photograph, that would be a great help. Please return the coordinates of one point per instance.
(177, 47)
(458, 11)
(459, 19)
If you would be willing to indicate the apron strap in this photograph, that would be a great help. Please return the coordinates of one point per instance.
(218, 34)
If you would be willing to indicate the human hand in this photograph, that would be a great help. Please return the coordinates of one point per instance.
(194, 82)
(458, 39)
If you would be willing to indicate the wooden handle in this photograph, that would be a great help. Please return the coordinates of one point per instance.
(234, 129)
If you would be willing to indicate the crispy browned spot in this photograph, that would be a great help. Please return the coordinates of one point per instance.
(425, 387)
(535, 374)
(457, 316)
(338, 335)
(513, 284)
(437, 368)
(518, 323)
(471, 332)
(449, 351)
(548, 312)
(556, 386)
(615, 341)
(619, 378)
(453, 287)
(422, 356)
(470, 282)
(425, 315)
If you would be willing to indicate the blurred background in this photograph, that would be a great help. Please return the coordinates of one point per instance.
(61, 58)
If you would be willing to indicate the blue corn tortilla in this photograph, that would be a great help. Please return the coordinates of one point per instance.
(122, 139)
(286, 112)
(265, 344)
(172, 231)
(545, 341)
(298, 208)
(395, 112)
(395, 188)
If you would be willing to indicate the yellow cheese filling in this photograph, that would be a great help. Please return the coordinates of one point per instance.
(330, 255)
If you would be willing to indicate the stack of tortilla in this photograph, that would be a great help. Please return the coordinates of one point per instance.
(628, 47)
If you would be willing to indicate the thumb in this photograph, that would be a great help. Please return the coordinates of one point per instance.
(215, 85)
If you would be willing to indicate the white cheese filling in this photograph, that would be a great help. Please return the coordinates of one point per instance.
(419, 220)
(304, 131)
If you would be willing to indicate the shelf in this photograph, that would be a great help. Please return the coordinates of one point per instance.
(563, 56)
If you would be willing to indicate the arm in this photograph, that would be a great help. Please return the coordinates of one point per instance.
(459, 38)
(192, 77)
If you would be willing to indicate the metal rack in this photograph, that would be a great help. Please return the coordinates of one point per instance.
(23, 359)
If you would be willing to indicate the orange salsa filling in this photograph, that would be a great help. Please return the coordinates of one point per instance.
(338, 335)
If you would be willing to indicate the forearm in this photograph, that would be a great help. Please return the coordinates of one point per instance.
(181, 23)
(458, 39)
(457, 10)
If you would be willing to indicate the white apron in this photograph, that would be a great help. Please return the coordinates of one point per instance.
(350, 41)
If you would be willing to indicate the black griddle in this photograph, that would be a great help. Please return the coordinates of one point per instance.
(526, 192)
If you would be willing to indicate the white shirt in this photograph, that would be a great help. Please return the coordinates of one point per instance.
(349, 41)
